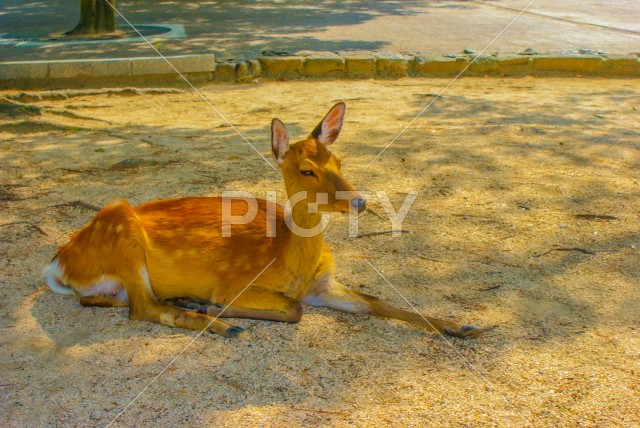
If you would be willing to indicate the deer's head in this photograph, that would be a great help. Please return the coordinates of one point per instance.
(308, 165)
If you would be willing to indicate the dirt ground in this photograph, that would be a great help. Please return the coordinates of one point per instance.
(527, 218)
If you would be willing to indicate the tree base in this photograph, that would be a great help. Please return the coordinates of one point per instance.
(96, 17)
(82, 34)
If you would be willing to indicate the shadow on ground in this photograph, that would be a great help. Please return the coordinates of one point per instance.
(526, 219)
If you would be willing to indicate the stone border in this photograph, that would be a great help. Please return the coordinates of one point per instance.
(73, 73)
(311, 65)
(392, 65)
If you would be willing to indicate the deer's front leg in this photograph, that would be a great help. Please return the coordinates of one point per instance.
(254, 303)
(331, 294)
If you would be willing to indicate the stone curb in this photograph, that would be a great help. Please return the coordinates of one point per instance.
(110, 71)
(312, 65)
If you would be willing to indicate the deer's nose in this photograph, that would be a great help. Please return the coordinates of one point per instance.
(360, 204)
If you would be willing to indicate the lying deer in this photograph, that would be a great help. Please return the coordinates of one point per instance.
(170, 263)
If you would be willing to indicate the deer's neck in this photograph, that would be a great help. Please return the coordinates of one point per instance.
(306, 242)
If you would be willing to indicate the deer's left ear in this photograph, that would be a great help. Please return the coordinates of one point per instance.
(329, 128)
(279, 140)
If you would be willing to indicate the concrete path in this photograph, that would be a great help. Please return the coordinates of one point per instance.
(242, 29)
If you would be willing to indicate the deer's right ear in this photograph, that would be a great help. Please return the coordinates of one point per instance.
(279, 140)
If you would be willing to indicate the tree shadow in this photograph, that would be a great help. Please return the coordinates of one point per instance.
(495, 236)
(230, 29)
(537, 193)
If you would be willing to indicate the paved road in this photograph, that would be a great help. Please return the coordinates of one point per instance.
(242, 29)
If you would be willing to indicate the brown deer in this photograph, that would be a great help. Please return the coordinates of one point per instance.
(171, 263)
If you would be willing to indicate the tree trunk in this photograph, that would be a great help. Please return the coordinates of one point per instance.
(96, 17)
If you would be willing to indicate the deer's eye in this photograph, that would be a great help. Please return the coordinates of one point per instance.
(308, 173)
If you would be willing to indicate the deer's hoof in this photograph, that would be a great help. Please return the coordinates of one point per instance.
(233, 331)
(467, 331)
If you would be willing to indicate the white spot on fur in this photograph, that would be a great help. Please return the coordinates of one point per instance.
(145, 278)
(330, 294)
(105, 287)
(321, 284)
(55, 279)
(167, 319)
(313, 300)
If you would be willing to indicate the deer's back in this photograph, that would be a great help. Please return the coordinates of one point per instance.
(188, 256)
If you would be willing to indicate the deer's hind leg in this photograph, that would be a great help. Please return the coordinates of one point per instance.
(103, 301)
(143, 306)
(112, 246)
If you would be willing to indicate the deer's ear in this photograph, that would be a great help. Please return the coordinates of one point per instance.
(329, 128)
(279, 140)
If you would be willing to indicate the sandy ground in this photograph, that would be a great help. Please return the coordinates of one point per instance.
(527, 218)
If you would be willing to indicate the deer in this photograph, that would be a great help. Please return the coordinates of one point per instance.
(168, 261)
